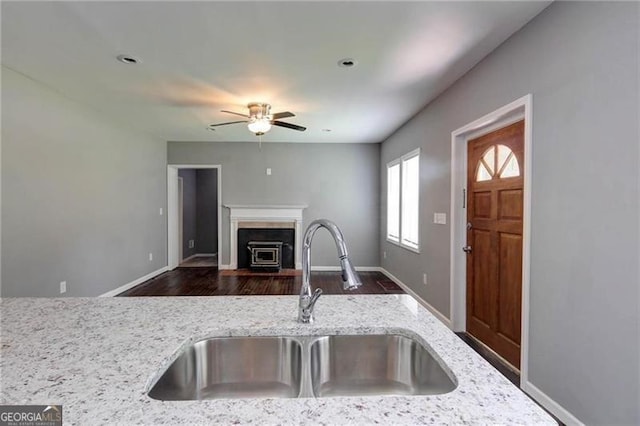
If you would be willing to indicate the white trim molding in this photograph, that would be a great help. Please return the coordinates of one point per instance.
(264, 213)
(443, 319)
(508, 114)
(134, 283)
(556, 409)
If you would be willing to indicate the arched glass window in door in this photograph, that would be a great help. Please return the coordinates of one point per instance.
(497, 162)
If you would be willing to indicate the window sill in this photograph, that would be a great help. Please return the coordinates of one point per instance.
(396, 243)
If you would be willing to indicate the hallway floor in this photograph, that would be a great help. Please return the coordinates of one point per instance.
(200, 261)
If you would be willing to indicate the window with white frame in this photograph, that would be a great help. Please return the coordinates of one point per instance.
(393, 201)
(403, 196)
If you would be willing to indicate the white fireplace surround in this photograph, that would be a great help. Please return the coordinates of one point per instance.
(285, 214)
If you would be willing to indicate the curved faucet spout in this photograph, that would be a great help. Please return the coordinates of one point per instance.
(350, 277)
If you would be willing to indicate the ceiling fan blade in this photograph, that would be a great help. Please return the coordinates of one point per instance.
(284, 114)
(289, 126)
(235, 113)
(224, 124)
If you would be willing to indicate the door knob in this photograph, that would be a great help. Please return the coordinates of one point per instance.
(466, 249)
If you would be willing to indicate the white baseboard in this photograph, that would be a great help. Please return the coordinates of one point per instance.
(134, 283)
(325, 268)
(337, 268)
(552, 406)
(446, 321)
(193, 256)
(368, 268)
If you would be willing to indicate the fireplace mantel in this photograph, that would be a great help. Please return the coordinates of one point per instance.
(264, 213)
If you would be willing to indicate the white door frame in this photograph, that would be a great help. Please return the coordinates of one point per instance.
(173, 222)
(180, 219)
(515, 111)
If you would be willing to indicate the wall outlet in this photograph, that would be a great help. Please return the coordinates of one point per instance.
(63, 287)
(424, 279)
(268, 171)
(192, 243)
(150, 257)
(161, 211)
(384, 254)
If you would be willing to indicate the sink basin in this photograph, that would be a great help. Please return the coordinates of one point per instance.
(302, 366)
(233, 367)
(375, 365)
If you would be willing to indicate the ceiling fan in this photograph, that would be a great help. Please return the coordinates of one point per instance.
(260, 119)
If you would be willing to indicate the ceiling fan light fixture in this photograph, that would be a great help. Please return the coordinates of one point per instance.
(260, 119)
(259, 126)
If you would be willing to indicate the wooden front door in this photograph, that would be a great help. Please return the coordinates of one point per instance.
(495, 181)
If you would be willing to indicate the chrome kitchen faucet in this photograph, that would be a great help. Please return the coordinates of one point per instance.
(350, 278)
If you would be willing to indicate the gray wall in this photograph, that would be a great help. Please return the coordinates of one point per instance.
(580, 62)
(207, 210)
(80, 196)
(338, 181)
(189, 211)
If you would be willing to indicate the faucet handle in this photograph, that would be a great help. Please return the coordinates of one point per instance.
(314, 298)
(306, 311)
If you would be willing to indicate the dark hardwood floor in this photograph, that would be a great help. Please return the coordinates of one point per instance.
(211, 282)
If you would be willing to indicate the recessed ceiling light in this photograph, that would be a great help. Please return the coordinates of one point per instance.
(347, 63)
(128, 59)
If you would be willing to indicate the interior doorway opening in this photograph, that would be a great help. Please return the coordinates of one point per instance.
(194, 201)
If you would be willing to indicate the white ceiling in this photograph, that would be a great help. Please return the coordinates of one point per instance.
(201, 57)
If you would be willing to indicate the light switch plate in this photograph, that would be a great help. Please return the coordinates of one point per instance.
(440, 218)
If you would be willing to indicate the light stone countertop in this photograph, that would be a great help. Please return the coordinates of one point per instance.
(98, 356)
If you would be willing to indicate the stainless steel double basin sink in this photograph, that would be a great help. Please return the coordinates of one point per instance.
(302, 366)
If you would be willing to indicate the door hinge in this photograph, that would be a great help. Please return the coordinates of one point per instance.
(464, 198)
